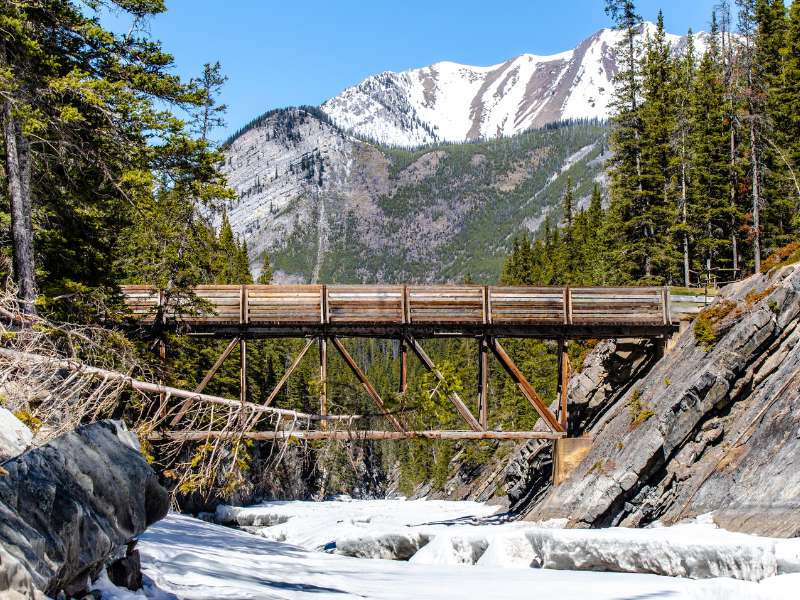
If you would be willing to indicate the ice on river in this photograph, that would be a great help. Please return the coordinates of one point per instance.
(463, 552)
(186, 558)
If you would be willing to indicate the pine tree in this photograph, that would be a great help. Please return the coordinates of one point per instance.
(625, 169)
(790, 101)
(771, 34)
(265, 275)
(709, 178)
(654, 209)
(684, 86)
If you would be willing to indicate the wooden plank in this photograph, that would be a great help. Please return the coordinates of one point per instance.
(323, 375)
(525, 387)
(462, 408)
(371, 391)
(352, 435)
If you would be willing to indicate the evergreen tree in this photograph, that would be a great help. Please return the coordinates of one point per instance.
(654, 209)
(631, 231)
(90, 95)
(709, 179)
(265, 275)
(684, 87)
(790, 101)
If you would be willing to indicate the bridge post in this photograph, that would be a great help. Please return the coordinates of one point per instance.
(403, 366)
(563, 382)
(243, 319)
(242, 369)
(323, 378)
(483, 382)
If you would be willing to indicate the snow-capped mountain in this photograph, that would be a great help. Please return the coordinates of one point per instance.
(453, 102)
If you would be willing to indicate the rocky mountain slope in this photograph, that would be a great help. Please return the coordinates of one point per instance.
(711, 427)
(448, 101)
(329, 207)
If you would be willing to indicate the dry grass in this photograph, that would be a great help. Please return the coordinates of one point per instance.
(787, 255)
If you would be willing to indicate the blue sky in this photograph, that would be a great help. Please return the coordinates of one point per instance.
(287, 53)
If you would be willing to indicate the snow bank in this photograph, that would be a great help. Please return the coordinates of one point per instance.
(457, 533)
(389, 546)
(189, 558)
(367, 528)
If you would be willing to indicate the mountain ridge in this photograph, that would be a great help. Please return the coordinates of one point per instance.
(449, 101)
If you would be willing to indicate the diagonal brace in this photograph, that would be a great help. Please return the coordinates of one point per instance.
(211, 372)
(462, 408)
(288, 373)
(525, 387)
(370, 389)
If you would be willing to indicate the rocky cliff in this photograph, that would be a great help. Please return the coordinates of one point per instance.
(713, 426)
(69, 506)
(328, 207)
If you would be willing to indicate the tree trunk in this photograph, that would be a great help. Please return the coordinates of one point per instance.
(686, 277)
(18, 175)
(732, 184)
(756, 200)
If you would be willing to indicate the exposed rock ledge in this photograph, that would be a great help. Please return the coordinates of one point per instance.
(67, 506)
(719, 430)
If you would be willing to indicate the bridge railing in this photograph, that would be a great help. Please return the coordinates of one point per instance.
(266, 305)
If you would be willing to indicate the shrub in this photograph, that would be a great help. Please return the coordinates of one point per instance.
(782, 256)
(705, 330)
(638, 411)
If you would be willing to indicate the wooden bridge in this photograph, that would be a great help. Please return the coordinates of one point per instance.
(409, 313)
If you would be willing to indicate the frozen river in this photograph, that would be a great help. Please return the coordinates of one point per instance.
(344, 549)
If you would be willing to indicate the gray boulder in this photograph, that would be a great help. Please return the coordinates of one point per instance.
(68, 506)
(15, 437)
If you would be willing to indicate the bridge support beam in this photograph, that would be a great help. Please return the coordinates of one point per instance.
(184, 408)
(287, 374)
(367, 385)
(403, 367)
(483, 382)
(462, 408)
(525, 387)
(323, 376)
(355, 435)
(563, 382)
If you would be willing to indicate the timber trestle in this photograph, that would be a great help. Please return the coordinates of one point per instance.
(326, 314)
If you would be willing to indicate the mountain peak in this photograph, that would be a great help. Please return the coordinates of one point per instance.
(449, 101)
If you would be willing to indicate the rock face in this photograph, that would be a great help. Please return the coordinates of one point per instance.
(14, 435)
(705, 429)
(68, 506)
(609, 370)
(329, 207)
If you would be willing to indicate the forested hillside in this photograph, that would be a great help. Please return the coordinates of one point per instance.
(325, 206)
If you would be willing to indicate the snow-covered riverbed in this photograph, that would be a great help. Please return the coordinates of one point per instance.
(189, 558)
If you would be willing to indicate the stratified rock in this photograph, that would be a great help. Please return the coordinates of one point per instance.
(68, 506)
(704, 431)
(607, 373)
(15, 437)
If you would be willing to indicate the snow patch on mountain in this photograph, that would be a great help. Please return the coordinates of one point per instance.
(449, 101)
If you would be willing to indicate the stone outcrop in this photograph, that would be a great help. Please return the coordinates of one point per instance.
(706, 429)
(15, 437)
(606, 374)
(68, 506)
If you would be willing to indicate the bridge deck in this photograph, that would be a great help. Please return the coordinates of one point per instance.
(419, 310)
